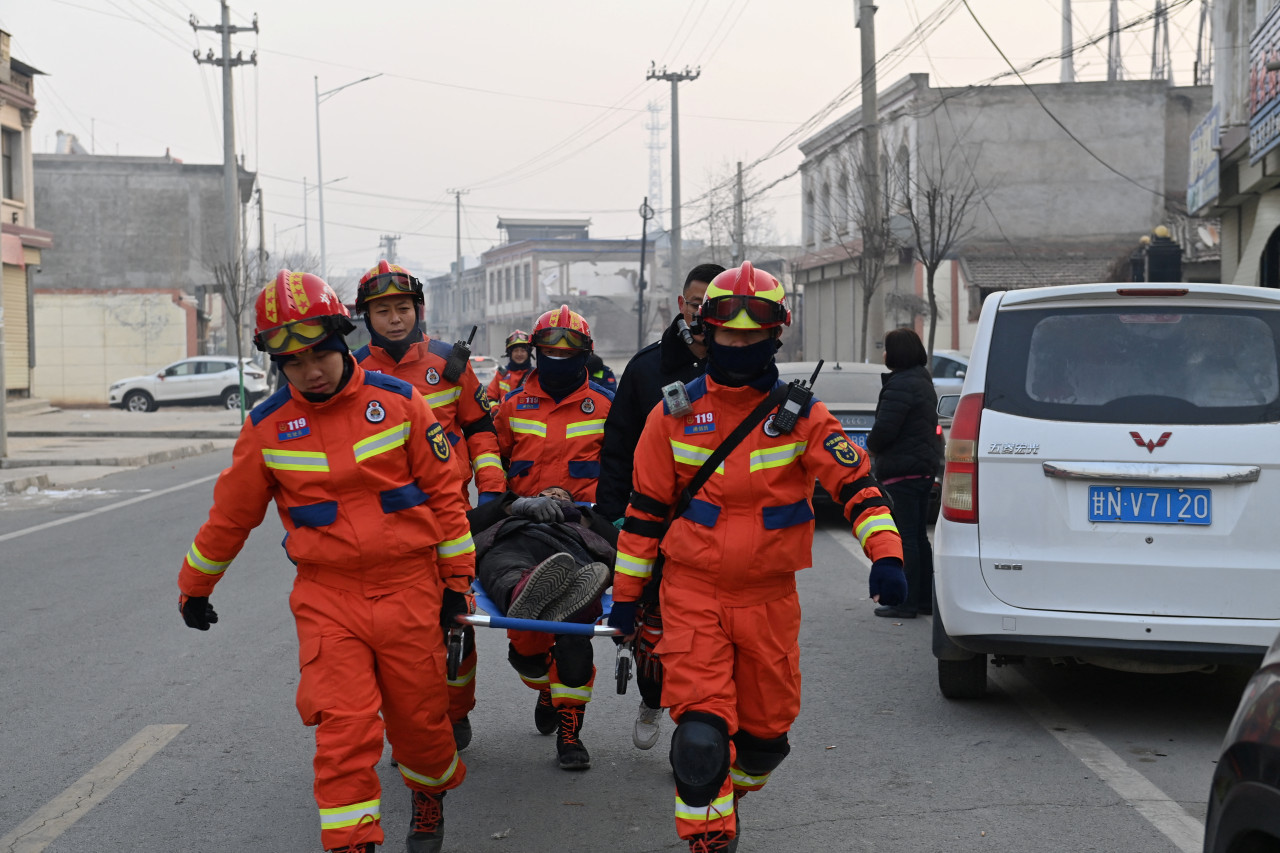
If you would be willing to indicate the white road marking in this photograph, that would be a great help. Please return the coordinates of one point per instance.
(1163, 813)
(41, 829)
(108, 508)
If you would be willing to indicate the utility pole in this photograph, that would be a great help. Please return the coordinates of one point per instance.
(1113, 43)
(1068, 60)
(306, 249)
(388, 242)
(646, 213)
(1161, 64)
(227, 62)
(655, 128)
(321, 97)
(1203, 75)
(675, 78)
(870, 140)
(739, 249)
(457, 230)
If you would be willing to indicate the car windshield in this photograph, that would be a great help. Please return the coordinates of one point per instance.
(1137, 365)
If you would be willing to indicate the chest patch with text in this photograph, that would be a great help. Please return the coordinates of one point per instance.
(526, 402)
(296, 428)
(700, 422)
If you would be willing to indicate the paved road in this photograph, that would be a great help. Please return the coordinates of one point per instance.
(94, 657)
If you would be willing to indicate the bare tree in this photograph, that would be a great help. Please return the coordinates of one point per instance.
(940, 199)
(720, 221)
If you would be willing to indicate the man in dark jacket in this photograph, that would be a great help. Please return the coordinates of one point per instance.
(668, 360)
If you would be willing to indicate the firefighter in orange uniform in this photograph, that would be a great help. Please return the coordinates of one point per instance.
(731, 614)
(513, 374)
(376, 525)
(550, 431)
(391, 301)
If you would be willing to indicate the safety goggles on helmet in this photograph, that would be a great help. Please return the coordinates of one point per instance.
(294, 335)
(719, 310)
(390, 284)
(559, 337)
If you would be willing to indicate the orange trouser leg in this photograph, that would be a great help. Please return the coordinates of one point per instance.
(738, 663)
(568, 689)
(359, 656)
(462, 690)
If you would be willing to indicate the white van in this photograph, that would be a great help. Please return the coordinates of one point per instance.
(1112, 482)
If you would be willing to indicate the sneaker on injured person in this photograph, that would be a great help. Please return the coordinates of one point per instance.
(581, 590)
(547, 581)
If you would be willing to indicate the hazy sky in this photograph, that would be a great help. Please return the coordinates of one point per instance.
(539, 109)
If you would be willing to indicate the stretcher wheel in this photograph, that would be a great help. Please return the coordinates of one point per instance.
(622, 671)
(453, 660)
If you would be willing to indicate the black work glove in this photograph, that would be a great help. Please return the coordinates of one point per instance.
(888, 583)
(545, 509)
(452, 605)
(622, 616)
(197, 612)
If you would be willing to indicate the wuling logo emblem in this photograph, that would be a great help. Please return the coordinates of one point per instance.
(1149, 444)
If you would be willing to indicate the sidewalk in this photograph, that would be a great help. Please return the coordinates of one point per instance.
(49, 447)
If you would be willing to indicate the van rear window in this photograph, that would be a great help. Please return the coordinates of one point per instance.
(1130, 364)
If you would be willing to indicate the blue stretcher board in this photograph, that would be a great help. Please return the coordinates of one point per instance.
(483, 621)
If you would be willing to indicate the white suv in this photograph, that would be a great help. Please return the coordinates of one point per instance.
(191, 381)
(1112, 479)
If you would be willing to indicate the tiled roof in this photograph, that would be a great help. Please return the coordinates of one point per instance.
(1001, 267)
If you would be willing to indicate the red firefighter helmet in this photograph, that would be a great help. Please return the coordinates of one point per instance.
(295, 312)
(387, 279)
(745, 298)
(562, 329)
(518, 338)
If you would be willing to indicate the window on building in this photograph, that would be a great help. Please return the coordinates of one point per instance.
(508, 276)
(809, 235)
(528, 286)
(11, 150)
(842, 205)
(492, 299)
(827, 214)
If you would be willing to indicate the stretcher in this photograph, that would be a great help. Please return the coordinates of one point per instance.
(622, 669)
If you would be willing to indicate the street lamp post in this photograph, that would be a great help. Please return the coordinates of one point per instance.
(320, 98)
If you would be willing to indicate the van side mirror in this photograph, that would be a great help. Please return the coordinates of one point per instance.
(947, 405)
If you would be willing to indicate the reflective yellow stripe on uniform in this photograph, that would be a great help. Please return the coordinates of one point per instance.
(564, 691)
(691, 454)
(636, 567)
(203, 563)
(581, 428)
(424, 779)
(743, 779)
(295, 460)
(528, 427)
(874, 524)
(463, 679)
(454, 547)
(720, 807)
(537, 683)
(381, 442)
(776, 457)
(344, 816)
(443, 398)
(486, 460)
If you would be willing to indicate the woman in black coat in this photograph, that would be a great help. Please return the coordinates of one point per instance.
(906, 454)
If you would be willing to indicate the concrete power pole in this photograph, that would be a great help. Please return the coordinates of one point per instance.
(1114, 62)
(739, 239)
(870, 135)
(1068, 61)
(231, 192)
(675, 78)
(388, 243)
(457, 266)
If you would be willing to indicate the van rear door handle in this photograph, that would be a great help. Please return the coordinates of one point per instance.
(1152, 472)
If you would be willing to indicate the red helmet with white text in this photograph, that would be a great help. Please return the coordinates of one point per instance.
(387, 279)
(295, 312)
(562, 329)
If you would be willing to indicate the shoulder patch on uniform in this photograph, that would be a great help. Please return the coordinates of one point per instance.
(269, 405)
(361, 354)
(697, 388)
(439, 443)
(513, 392)
(439, 348)
(389, 383)
(600, 389)
(837, 444)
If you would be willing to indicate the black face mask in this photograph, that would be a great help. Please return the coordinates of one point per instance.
(561, 376)
(737, 366)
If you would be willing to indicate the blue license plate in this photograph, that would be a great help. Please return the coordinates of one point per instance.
(858, 438)
(1145, 505)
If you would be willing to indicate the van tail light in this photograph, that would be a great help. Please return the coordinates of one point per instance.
(960, 478)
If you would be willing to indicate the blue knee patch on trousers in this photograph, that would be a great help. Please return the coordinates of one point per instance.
(700, 757)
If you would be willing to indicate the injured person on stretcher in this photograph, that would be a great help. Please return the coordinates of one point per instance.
(543, 557)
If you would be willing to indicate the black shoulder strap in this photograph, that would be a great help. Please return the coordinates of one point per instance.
(732, 440)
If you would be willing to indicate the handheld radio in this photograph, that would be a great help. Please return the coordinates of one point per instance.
(799, 393)
(458, 358)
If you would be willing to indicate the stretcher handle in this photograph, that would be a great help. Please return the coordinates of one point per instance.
(580, 628)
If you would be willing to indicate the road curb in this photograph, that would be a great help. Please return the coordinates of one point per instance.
(18, 485)
(113, 461)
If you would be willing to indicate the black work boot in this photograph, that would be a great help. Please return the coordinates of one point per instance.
(462, 733)
(426, 825)
(544, 713)
(573, 755)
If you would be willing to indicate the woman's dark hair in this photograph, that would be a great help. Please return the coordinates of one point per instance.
(903, 349)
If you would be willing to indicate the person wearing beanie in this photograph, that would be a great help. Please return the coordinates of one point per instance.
(364, 483)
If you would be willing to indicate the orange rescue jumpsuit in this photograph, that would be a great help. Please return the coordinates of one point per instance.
(546, 443)
(462, 408)
(377, 527)
(505, 381)
(731, 614)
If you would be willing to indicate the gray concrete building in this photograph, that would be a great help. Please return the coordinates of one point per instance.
(1068, 178)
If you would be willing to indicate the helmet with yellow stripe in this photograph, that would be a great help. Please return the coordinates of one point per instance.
(295, 312)
(562, 329)
(745, 298)
(518, 338)
(387, 279)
